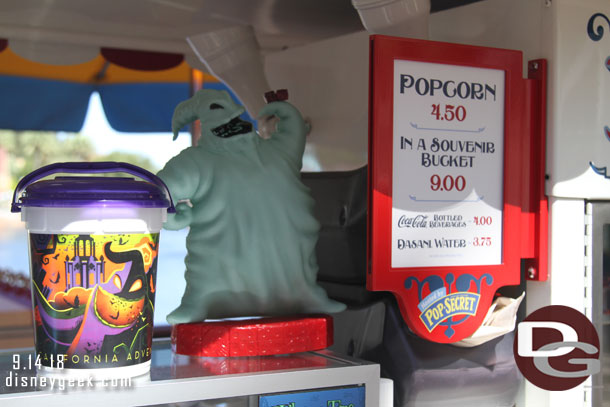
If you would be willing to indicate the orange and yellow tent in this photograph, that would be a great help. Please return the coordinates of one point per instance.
(139, 90)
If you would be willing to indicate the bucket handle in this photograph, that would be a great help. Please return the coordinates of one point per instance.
(88, 168)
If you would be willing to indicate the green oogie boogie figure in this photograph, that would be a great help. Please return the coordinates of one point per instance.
(252, 238)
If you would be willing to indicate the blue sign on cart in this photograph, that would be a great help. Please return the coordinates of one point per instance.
(342, 397)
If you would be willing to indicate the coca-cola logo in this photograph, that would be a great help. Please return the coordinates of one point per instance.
(419, 221)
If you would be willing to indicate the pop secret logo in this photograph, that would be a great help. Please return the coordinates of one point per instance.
(444, 307)
(557, 348)
(448, 306)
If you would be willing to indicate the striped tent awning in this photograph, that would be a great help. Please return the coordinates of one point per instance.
(139, 90)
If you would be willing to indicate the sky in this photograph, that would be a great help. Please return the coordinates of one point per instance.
(158, 147)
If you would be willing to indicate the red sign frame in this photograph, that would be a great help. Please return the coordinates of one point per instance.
(484, 280)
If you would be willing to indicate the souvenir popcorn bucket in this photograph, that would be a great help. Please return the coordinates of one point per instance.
(93, 245)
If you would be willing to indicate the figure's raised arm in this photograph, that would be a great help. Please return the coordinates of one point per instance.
(290, 131)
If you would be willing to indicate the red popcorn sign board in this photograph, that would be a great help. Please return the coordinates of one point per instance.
(445, 178)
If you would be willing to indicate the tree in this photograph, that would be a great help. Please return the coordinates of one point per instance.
(30, 150)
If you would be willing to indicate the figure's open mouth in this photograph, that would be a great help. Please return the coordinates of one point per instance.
(233, 128)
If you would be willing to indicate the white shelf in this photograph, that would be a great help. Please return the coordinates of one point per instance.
(178, 378)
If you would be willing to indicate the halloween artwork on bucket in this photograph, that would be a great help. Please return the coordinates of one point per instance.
(96, 307)
(252, 238)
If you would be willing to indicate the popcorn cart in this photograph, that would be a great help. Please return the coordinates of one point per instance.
(457, 155)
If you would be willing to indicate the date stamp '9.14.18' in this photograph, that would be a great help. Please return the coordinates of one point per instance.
(20, 362)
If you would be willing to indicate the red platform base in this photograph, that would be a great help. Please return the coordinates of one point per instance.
(253, 337)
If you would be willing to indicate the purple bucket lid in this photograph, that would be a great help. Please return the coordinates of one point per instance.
(72, 192)
(82, 191)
